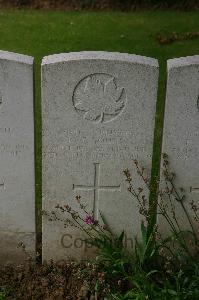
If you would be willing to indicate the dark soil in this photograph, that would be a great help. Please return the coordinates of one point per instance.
(48, 281)
(124, 5)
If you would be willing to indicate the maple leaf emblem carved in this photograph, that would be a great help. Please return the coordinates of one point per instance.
(98, 98)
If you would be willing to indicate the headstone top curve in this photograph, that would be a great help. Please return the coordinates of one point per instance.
(97, 55)
(12, 56)
(182, 62)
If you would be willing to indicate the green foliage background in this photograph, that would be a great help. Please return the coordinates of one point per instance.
(40, 33)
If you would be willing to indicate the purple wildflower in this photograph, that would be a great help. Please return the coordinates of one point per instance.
(89, 220)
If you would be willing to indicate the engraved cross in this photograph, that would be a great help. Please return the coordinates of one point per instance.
(2, 185)
(1, 98)
(194, 190)
(96, 188)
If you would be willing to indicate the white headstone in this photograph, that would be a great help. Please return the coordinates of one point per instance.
(181, 132)
(98, 114)
(17, 205)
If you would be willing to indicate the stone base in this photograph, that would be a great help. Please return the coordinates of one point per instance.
(16, 247)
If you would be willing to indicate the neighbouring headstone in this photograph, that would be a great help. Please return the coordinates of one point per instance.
(98, 115)
(17, 205)
(181, 136)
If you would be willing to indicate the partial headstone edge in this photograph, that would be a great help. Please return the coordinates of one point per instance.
(20, 58)
(182, 62)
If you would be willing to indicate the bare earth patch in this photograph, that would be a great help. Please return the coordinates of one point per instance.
(47, 281)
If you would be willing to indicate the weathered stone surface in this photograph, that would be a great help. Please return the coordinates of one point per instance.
(181, 132)
(17, 205)
(98, 114)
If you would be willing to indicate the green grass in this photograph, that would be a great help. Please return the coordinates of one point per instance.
(40, 33)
